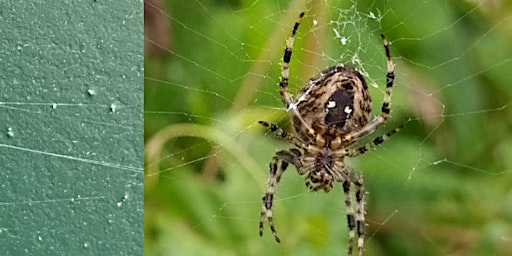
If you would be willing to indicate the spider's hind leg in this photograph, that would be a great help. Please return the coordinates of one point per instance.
(386, 103)
(390, 78)
(285, 73)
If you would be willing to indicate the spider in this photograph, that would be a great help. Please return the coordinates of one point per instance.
(329, 116)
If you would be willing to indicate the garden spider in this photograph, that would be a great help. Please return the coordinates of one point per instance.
(329, 116)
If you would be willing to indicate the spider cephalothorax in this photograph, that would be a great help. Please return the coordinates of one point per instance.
(329, 116)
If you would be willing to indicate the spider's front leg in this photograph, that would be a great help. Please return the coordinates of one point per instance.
(358, 182)
(276, 171)
(355, 220)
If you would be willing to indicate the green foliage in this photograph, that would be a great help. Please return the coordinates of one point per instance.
(439, 187)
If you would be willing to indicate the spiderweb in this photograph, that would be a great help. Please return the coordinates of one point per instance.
(437, 187)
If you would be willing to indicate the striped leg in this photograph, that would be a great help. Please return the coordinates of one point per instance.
(355, 220)
(390, 78)
(285, 74)
(360, 214)
(283, 85)
(353, 152)
(385, 110)
(285, 157)
(280, 133)
(350, 216)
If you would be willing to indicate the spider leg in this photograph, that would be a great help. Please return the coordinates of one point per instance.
(285, 157)
(350, 216)
(358, 182)
(355, 220)
(285, 73)
(390, 78)
(353, 152)
(280, 133)
(385, 110)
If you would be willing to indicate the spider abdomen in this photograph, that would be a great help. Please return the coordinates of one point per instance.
(335, 102)
(339, 108)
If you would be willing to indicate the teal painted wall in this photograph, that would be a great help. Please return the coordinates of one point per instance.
(71, 143)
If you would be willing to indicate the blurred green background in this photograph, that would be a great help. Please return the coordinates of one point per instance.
(442, 186)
